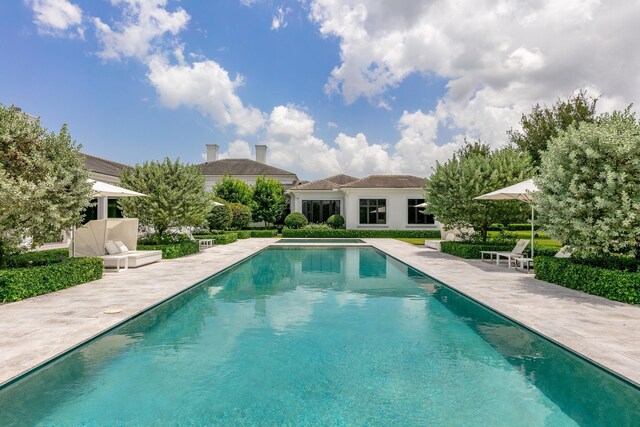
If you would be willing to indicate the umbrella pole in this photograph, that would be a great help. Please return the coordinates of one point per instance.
(532, 231)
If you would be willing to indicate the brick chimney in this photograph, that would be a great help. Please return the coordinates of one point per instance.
(261, 153)
(212, 153)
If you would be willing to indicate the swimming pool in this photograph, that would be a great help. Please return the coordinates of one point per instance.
(319, 240)
(302, 336)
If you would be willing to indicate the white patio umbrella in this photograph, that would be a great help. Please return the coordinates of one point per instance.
(102, 189)
(421, 205)
(522, 191)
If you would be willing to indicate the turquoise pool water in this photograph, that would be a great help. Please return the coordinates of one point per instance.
(334, 336)
(318, 240)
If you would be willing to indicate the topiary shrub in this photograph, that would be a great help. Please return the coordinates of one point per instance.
(20, 283)
(220, 217)
(295, 220)
(336, 221)
(241, 216)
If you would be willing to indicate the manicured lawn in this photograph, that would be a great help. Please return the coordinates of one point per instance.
(542, 240)
(414, 241)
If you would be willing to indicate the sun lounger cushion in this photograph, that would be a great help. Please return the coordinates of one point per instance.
(135, 258)
(121, 246)
(111, 248)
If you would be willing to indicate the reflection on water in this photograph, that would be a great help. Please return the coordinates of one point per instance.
(315, 337)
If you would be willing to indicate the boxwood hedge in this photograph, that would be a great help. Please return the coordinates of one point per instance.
(617, 285)
(336, 233)
(264, 233)
(173, 250)
(472, 250)
(35, 259)
(20, 283)
(220, 239)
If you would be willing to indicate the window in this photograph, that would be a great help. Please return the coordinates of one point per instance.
(415, 215)
(320, 210)
(373, 211)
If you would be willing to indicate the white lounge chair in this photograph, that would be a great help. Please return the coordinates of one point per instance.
(123, 258)
(517, 252)
(527, 263)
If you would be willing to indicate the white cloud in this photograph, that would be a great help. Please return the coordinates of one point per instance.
(207, 87)
(278, 20)
(499, 58)
(238, 149)
(143, 25)
(59, 18)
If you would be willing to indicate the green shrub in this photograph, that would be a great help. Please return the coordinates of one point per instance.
(331, 233)
(295, 220)
(220, 217)
(240, 216)
(225, 239)
(472, 250)
(242, 234)
(264, 233)
(36, 259)
(521, 227)
(165, 239)
(336, 221)
(314, 226)
(173, 250)
(20, 283)
(617, 285)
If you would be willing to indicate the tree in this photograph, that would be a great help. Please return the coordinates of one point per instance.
(241, 215)
(268, 200)
(590, 186)
(233, 190)
(221, 216)
(175, 195)
(545, 123)
(43, 181)
(449, 192)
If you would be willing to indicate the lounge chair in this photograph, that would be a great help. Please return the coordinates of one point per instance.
(527, 263)
(517, 252)
(122, 258)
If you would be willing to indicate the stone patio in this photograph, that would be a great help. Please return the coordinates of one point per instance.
(40, 328)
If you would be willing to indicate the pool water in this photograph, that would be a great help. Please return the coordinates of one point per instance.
(320, 240)
(323, 336)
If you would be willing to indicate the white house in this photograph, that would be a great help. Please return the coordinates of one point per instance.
(377, 202)
(245, 169)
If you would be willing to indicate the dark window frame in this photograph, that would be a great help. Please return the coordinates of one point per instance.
(415, 216)
(371, 210)
(318, 211)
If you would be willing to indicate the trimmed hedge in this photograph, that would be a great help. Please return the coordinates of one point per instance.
(264, 233)
(617, 285)
(472, 250)
(220, 239)
(35, 259)
(20, 283)
(174, 250)
(242, 234)
(332, 233)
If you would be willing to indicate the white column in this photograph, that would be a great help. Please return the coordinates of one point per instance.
(103, 207)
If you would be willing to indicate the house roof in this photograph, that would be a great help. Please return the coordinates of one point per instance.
(331, 183)
(387, 181)
(241, 167)
(103, 166)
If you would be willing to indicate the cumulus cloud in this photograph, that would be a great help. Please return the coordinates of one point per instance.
(141, 29)
(59, 18)
(498, 58)
(293, 145)
(238, 149)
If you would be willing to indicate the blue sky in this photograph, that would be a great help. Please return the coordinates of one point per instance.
(359, 87)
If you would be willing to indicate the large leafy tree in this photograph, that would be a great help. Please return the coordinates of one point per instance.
(589, 186)
(544, 123)
(268, 200)
(175, 195)
(450, 191)
(43, 181)
(233, 190)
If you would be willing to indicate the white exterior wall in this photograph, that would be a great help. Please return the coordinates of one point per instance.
(397, 204)
(210, 180)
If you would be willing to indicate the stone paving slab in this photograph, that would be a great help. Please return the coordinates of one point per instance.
(40, 328)
(603, 331)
